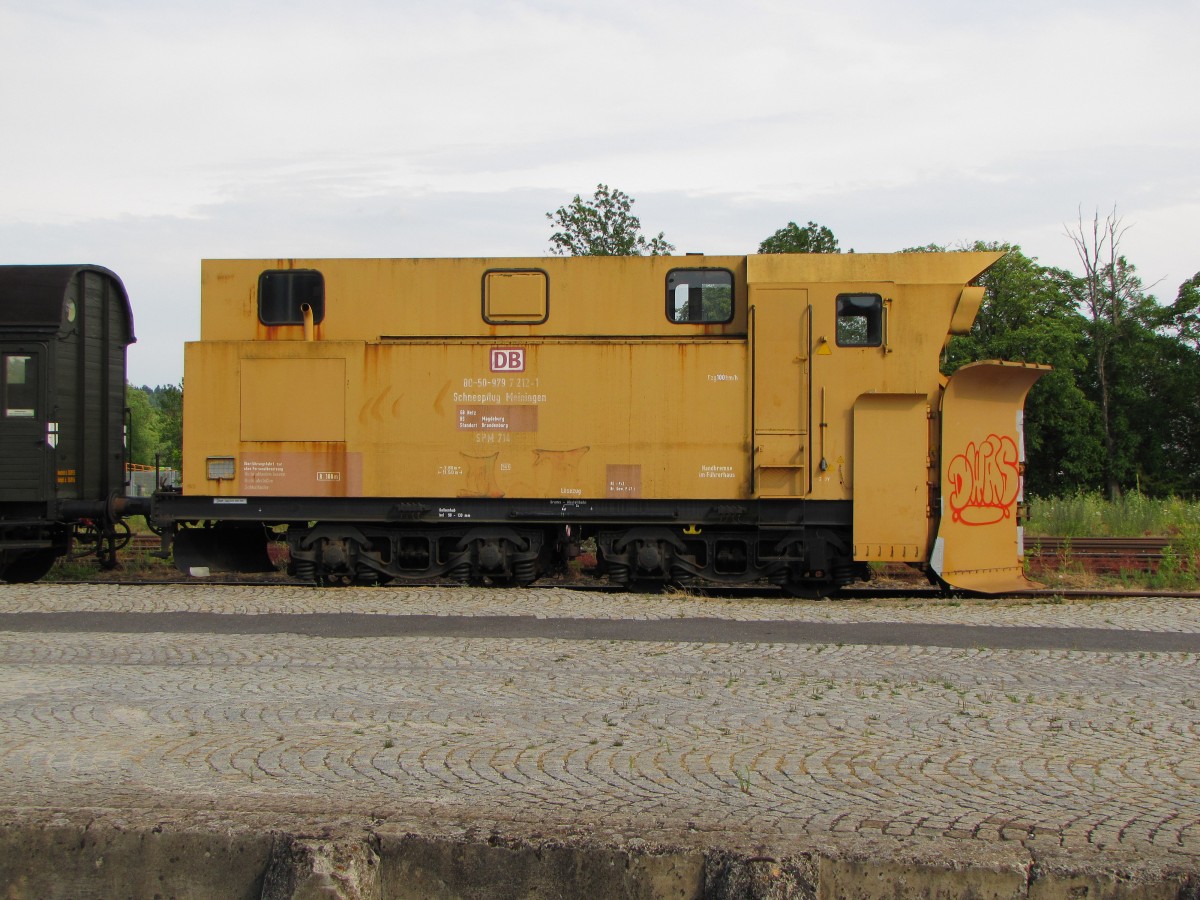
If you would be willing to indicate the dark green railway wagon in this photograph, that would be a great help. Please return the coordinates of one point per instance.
(64, 330)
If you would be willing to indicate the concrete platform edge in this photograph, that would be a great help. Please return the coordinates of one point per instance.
(94, 853)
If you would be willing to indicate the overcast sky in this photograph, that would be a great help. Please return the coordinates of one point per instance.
(146, 135)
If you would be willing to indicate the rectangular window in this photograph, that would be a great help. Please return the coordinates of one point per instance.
(283, 294)
(699, 296)
(20, 386)
(515, 296)
(221, 468)
(859, 320)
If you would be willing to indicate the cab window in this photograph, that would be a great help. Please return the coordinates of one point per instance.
(283, 293)
(699, 296)
(859, 320)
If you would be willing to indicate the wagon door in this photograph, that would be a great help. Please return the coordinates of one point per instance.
(24, 457)
(779, 335)
(979, 543)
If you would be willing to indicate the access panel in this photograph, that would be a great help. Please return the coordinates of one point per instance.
(779, 335)
(891, 477)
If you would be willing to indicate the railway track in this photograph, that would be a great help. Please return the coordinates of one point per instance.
(143, 541)
(1119, 548)
(914, 591)
(1140, 548)
(863, 592)
(1106, 552)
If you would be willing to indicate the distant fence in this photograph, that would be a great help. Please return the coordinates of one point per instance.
(142, 479)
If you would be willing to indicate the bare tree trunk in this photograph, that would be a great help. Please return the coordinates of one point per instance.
(1098, 251)
(1112, 484)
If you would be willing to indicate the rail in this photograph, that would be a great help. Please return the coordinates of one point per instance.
(1141, 548)
(1149, 549)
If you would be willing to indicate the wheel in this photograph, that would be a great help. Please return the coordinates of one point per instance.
(29, 566)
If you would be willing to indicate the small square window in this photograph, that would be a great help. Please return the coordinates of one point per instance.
(699, 296)
(283, 293)
(859, 320)
(221, 468)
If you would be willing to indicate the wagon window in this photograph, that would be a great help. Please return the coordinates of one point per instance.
(20, 386)
(699, 296)
(283, 293)
(515, 296)
(859, 320)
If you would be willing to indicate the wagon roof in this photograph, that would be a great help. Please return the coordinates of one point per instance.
(33, 295)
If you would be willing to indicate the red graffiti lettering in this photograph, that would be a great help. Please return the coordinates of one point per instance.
(985, 481)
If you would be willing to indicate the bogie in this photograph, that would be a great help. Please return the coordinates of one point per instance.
(340, 555)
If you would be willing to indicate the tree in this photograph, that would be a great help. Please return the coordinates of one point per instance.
(144, 419)
(1028, 315)
(1111, 297)
(791, 238)
(1156, 405)
(1121, 408)
(602, 226)
(1184, 388)
(168, 401)
(1185, 313)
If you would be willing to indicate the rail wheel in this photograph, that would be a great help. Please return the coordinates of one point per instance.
(28, 566)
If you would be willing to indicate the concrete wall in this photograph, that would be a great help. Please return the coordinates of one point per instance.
(104, 854)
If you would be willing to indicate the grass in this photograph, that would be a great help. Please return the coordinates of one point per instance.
(1173, 573)
(131, 564)
(1133, 515)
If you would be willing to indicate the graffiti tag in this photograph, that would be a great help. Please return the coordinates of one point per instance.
(985, 481)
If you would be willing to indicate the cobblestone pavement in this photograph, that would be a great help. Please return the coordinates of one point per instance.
(1057, 749)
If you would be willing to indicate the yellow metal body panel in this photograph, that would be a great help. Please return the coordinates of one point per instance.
(841, 374)
(431, 419)
(952, 270)
(268, 403)
(979, 542)
(966, 310)
(374, 299)
(779, 344)
(891, 475)
(404, 388)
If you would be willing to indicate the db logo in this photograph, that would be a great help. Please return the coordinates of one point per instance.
(508, 359)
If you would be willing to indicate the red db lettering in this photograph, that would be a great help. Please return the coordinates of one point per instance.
(508, 359)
